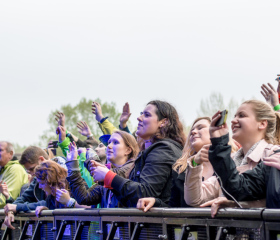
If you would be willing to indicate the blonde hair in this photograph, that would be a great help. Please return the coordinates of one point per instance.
(263, 112)
(181, 164)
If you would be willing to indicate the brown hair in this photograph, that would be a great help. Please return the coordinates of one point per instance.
(173, 129)
(53, 174)
(264, 112)
(31, 155)
(181, 164)
(130, 142)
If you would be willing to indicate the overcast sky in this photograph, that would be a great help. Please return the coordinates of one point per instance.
(56, 52)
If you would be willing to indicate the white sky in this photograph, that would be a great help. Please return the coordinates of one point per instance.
(56, 52)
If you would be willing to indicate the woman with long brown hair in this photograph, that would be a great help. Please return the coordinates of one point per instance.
(160, 128)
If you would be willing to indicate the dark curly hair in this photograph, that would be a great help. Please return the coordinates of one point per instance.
(173, 129)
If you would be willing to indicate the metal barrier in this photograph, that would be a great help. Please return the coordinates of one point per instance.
(158, 223)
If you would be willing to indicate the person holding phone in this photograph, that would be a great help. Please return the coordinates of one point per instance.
(254, 127)
(121, 151)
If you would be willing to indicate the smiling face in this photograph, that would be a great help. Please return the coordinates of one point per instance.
(200, 134)
(148, 124)
(244, 125)
(117, 151)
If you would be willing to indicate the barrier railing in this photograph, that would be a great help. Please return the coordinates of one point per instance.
(158, 223)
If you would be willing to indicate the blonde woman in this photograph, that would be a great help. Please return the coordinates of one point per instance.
(255, 127)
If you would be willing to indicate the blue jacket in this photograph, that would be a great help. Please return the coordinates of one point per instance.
(32, 194)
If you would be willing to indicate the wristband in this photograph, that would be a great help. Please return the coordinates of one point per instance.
(71, 203)
(277, 107)
(91, 135)
(194, 163)
(102, 120)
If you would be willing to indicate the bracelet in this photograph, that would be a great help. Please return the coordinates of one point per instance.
(91, 135)
(194, 163)
(277, 107)
(71, 203)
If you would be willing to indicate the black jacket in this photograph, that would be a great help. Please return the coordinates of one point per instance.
(151, 176)
(96, 193)
(261, 182)
(177, 192)
(32, 194)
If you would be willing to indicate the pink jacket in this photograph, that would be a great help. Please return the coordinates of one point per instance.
(197, 192)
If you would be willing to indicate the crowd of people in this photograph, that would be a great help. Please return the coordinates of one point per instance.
(157, 165)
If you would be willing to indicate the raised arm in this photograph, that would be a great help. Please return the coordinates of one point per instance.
(125, 117)
(247, 186)
(105, 126)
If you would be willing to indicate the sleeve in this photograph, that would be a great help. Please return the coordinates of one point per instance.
(91, 196)
(107, 127)
(27, 207)
(84, 172)
(28, 195)
(160, 203)
(64, 145)
(124, 170)
(15, 177)
(247, 186)
(153, 177)
(197, 192)
(126, 129)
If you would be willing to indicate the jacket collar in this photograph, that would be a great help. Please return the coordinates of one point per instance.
(257, 153)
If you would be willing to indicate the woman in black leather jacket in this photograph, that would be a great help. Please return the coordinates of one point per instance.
(162, 133)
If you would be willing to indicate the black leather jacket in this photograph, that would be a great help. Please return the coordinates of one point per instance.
(261, 182)
(151, 176)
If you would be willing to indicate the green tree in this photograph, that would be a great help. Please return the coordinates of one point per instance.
(80, 112)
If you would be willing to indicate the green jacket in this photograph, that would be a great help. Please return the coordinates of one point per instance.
(14, 175)
(84, 172)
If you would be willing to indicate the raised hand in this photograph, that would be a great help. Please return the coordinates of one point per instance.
(125, 115)
(145, 204)
(83, 128)
(202, 155)
(270, 94)
(97, 111)
(278, 79)
(72, 154)
(214, 131)
(62, 196)
(60, 118)
(62, 133)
